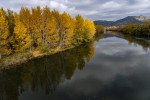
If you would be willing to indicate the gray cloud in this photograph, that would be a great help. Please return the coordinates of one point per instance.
(93, 9)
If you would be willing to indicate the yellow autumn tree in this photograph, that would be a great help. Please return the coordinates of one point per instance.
(4, 34)
(57, 17)
(10, 18)
(46, 14)
(26, 20)
(89, 30)
(67, 29)
(52, 36)
(37, 25)
(99, 29)
(21, 38)
(41, 29)
(79, 29)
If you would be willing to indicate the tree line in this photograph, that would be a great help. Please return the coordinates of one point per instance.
(99, 29)
(41, 29)
(140, 30)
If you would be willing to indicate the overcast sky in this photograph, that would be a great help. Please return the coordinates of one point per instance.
(93, 9)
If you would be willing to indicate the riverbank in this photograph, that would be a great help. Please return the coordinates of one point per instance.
(136, 30)
(19, 58)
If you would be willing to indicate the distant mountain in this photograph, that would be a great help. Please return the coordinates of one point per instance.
(124, 21)
(127, 20)
(142, 18)
(104, 23)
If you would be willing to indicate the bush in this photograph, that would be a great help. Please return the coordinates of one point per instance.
(99, 29)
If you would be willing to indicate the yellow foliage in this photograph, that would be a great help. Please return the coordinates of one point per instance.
(89, 29)
(67, 28)
(37, 24)
(22, 39)
(42, 29)
(84, 29)
(79, 29)
(52, 36)
(4, 34)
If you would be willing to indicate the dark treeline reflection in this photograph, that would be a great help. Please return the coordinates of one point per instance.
(145, 43)
(138, 41)
(117, 71)
(44, 73)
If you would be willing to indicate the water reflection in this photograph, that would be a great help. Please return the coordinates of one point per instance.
(44, 73)
(116, 67)
(136, 41)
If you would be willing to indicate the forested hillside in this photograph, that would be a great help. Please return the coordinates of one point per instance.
(124, 21)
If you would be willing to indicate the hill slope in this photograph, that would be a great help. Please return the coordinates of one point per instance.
(124, 21)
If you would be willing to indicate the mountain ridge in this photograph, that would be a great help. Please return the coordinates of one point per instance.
(123, 21)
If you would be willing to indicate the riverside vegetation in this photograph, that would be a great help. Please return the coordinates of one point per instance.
(138, 30)
(39, 31)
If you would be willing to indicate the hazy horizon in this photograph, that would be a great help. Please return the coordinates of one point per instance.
(93, 9)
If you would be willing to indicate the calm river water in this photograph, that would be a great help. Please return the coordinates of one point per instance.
(115, 67)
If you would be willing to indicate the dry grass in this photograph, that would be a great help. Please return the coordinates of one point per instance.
(23, 57)
(14, 59)
(36, 53)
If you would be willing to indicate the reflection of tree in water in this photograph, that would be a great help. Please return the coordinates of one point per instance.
(132, 40)
(44, 73)
(137, 41)
(98, 36)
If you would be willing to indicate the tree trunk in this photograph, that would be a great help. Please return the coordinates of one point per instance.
(0, 55)
(31, 39)
(61, 38)
(49, 45)
(42, 37)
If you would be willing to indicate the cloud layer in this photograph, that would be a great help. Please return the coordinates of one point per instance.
(93, 9)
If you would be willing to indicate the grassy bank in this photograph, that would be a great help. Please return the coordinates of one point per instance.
(18, 58)
(12, 60)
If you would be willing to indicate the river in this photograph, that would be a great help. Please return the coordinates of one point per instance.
(114, 67)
